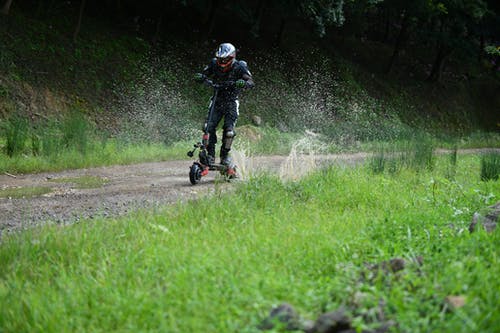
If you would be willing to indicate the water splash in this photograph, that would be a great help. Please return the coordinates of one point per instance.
(245, 165)
(302, 158)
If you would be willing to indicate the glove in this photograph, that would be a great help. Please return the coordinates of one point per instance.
(199, 77)
(240, 84)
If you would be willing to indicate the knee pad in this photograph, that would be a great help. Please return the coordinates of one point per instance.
(227, 138)
(229, 133)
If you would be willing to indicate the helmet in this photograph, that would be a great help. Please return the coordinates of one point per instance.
(225, 55)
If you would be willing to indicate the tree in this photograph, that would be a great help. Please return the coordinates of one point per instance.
(6, 7)
(79, 22)
(324, 13)
(453, 21)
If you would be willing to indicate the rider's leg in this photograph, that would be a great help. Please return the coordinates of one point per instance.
(230, 119)
(227, 140)
(212, 133)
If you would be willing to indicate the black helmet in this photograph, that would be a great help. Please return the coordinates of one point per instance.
(225, 55)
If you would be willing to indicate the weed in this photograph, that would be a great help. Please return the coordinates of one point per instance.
(490, 166)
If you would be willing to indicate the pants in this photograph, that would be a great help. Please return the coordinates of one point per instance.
(229, 110)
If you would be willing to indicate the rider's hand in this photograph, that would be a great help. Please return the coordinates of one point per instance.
(240, 83)
(199, 77)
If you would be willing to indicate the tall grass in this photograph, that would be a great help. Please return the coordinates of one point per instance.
(218, 264)
(16, 132)
(416, 153)
(110, 152)
(72, 142)
(490, 166)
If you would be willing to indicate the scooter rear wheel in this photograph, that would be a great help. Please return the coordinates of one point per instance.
(195, 174)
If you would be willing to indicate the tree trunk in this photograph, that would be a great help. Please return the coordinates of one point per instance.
(210, 22)
(79, 23)
(442, 53)
(387, 28)
(258, 17)
(157, 34)
(6, 7)
(438, 65)
(279, 35)
(402, 36)
(481, 47)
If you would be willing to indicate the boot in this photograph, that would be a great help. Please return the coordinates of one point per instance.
(224, 157)
(210, 155)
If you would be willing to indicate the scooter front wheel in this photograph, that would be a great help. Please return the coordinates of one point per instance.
(195, 173)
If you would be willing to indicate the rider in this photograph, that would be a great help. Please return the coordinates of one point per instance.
(234, 74)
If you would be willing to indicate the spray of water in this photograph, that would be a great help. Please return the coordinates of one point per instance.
(302, 158)
(153, 108)
(245, 165)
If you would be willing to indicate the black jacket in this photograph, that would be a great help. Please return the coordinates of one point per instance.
(239, 71)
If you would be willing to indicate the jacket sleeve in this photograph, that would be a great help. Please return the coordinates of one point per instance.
(209, 69)
(246, 75)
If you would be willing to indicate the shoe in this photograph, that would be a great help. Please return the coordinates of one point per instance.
(210, 159)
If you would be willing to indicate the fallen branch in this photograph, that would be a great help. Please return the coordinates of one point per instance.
(10, 175)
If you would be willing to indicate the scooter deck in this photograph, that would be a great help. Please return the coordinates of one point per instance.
(218, 167)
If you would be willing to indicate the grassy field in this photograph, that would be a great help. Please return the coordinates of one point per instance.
(220, 264)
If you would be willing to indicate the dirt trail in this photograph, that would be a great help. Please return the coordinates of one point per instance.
(128, 187)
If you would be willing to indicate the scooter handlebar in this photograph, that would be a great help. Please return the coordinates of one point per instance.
(222, 85)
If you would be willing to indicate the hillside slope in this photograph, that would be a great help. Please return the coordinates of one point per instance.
(125, 85)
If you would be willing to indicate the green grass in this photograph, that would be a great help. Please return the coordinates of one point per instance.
(24, 192)
(106, 153)
(219, 264)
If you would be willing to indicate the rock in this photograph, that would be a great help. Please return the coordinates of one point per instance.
(455, 302)
(250, 133)
(256, 120)
(332, 322)
(396, 264)
(488, 218)
(389, 266)
(283, 314)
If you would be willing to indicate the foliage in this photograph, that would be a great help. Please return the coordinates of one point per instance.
(492, 50)
(308, 243)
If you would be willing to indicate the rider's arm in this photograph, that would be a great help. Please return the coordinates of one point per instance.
(246, 75)
(249, 80)
(206, 73)
(209, 69)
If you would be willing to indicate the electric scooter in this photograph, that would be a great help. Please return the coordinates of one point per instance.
(203, 165)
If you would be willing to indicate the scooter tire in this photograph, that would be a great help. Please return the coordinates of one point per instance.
(195, 174)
